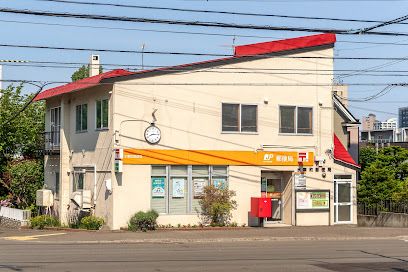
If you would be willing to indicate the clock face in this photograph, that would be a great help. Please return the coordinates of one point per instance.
(152, 134)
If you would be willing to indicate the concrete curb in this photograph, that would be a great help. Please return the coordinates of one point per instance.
(220, 240)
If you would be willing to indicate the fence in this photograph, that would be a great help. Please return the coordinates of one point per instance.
(382, 206)
(15, 214)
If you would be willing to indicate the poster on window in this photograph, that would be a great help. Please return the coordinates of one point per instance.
(158, 190)
(178, 187)
(220, 183)
(312, 200)
(198, 186)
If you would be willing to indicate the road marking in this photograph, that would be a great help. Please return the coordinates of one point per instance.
(31, 237)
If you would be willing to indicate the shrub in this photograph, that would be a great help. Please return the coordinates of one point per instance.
(143, 221)
(92, 222)
(42, 221)
(216, 206)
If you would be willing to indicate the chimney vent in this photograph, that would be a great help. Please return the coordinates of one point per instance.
(94, 65)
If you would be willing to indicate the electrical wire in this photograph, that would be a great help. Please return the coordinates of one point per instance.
(192, 53)
(211, 11)
(189, 32)
(188, 23)
(250, 84)
(181, 68)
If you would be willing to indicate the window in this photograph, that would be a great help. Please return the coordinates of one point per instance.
(177, 189)
(81, 118)
(55, 116)
(102, 113)
(57, 184)
(296, 120)
(239, 118)
(79, 180)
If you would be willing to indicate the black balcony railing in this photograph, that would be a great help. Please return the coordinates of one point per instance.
(52, 142)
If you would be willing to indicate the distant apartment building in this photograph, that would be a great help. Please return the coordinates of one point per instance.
(375, 131)
(368, 122)
(403, 117)
(388, 124)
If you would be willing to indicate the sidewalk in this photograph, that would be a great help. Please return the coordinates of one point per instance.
(203, 236)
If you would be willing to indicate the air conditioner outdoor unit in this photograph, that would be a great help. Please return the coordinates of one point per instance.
(44, 198)
(86, 199)
(83, 198)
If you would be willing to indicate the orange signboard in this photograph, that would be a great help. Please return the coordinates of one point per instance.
(217, 157)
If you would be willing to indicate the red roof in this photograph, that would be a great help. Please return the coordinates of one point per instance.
(240, 51)
(341, 154)
(285, 45)
(81, 84)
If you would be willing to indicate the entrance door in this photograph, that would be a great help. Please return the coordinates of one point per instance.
(272, 187)
(342, 199)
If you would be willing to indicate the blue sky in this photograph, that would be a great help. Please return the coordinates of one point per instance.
(37, 34)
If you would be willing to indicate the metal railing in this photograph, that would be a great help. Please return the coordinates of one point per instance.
(52, 142)
(15, 214)
(382, 206)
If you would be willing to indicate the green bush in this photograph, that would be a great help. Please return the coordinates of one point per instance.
(143, 221)
(42, 221)
(216, 206)
(92, 222)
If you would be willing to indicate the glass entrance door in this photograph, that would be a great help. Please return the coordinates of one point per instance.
(272, 188)
(342, 199)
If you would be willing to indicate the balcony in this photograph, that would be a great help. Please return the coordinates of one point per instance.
(51, 143)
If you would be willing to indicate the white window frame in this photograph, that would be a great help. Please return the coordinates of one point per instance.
(96, 114)
(189, 189)
(240, 118)
(81, 106)
(55, 127)
(296, 120)
(336, 204)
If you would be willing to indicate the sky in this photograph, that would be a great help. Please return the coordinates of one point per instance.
(132, 36)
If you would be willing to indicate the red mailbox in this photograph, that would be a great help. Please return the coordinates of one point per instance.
(261, 207)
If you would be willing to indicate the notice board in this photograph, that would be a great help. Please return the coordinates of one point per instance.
(312, 200)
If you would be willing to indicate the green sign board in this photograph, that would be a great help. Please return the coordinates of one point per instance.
(158, 187)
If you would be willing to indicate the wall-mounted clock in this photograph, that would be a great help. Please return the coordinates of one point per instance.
(152, 134)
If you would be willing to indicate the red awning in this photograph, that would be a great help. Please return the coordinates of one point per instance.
(341, 154)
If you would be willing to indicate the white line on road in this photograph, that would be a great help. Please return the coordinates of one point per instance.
(31, 237)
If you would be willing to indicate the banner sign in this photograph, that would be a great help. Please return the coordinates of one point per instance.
(178, 187)
(217, 157)
(198, 186)
(312, 200)
(220, 183)
(158, 185)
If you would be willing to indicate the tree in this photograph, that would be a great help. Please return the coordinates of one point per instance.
(367, 156)
(22, 179)
(83, 72)
(384, 176)
(20, 137)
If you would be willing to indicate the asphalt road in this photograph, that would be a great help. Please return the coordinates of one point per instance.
(304, 255)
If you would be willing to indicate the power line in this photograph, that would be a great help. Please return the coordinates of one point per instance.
(395, 21)
(40, 88)
(187, 23)
(186, 32)
(212, 11)
(181, 68)
(334, 73)
(250, 84)
(189, 53)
